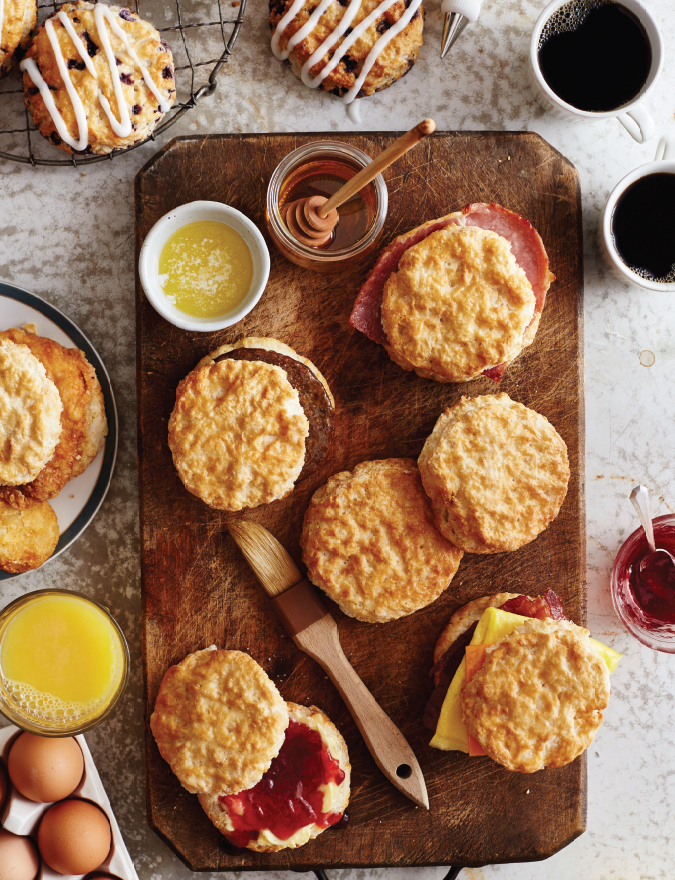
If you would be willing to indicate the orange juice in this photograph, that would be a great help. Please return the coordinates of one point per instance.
(63, 662)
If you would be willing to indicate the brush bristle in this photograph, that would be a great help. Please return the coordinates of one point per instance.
(271, 563)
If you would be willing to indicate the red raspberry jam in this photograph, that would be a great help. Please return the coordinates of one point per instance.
(288, 797)
(645, 601)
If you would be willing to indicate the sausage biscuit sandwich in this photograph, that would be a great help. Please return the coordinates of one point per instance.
(249, 421)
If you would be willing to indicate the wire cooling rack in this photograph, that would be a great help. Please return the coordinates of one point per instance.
(201, 35)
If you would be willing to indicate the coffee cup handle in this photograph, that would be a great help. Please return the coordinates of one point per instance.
(665, 149)
(638, 123)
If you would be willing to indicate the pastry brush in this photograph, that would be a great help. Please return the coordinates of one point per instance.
(308, 622)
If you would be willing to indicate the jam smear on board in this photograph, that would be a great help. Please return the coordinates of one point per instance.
(653, 588)
(288, 797)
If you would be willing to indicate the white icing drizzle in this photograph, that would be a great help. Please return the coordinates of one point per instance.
(331, 40)
(354, 112)
(2, 18)
(122, 127)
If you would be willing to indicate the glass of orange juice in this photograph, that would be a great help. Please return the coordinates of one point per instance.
(64, 662)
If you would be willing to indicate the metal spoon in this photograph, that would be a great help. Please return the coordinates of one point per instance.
(657, 566)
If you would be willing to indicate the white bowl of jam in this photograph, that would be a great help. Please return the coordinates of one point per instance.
(645, 601)
(204, 266)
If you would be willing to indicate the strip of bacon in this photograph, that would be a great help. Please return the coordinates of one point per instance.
(526, 246)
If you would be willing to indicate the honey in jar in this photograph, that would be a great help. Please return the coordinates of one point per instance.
(324, 177)
(322, 168)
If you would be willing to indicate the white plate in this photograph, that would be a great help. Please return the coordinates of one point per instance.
(81, 498)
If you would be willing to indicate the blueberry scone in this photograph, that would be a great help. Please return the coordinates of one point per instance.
(97, 78)
(17, 19)
(351, 48)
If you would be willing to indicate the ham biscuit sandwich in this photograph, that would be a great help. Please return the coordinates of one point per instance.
(517, 681)
(250, 420)
(457, 297)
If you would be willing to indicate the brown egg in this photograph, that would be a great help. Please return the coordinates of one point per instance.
(18, 857)
(4, 785)
(74, 837)
(43, 769)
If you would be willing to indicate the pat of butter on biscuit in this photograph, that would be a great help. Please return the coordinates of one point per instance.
(494, 625)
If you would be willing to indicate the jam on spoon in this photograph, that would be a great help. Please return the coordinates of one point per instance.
(651, 574)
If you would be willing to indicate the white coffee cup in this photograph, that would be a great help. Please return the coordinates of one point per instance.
(634, 117)
(664, 163)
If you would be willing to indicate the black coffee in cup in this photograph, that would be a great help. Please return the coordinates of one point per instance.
(643, 227)
(594, 54)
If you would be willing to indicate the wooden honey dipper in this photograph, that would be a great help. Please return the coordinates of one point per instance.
(311, 221)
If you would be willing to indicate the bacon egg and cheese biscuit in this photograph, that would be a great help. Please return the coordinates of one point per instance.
(369, 541)
(459, 296)
(531, 690)
(496, 472)
(248, 422)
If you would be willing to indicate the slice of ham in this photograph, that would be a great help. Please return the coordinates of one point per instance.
(526, 246)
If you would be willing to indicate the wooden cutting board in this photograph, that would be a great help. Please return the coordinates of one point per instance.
(198, 591)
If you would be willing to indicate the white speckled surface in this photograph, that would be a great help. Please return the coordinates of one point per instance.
(68, 236)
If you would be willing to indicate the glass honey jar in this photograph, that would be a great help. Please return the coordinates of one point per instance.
(322, 168)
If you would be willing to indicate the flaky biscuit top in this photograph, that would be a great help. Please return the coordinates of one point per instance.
(458, 304)
(496, 472)
(30, 415)
(219, 721)
(369, 541)
(237, 434)
(539, 697)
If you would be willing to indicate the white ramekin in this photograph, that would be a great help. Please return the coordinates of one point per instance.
(164, 228)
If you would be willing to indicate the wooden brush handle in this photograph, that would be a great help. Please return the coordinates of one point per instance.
(379, 163)
(385, 741)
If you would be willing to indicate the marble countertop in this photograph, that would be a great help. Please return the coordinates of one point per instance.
(68, 235)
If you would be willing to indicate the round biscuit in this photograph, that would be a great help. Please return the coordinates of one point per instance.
(458, 304)
(219, 721)
(496, 473)
(539, 697)
(80, 394)
(30, 415)
(369, 541)
(28, 537)
(337, 747)
(395, 60)
(142, 104)
(237, 434)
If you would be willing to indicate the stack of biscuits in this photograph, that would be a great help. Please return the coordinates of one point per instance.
(52, 425)
(222, 725)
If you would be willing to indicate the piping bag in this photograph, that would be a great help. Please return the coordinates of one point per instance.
(300, 609)
(458, 13)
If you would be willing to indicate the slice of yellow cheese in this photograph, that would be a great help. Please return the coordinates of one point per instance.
(494, 625)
